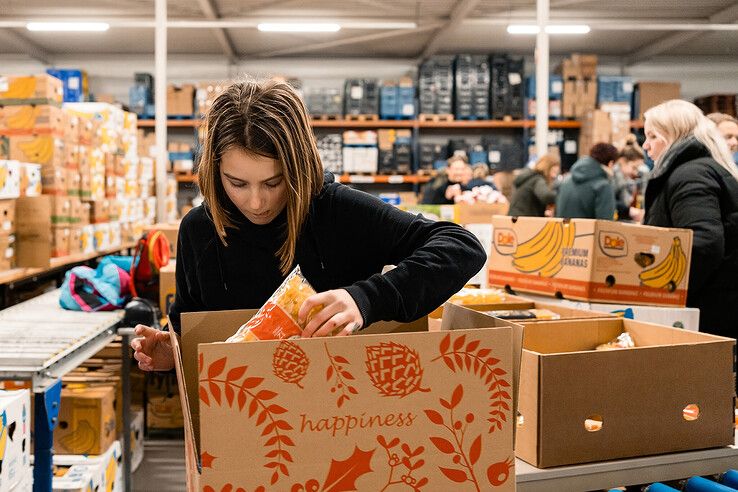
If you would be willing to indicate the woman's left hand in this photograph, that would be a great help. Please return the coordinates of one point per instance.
(339, 310)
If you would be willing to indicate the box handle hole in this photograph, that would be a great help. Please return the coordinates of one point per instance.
(593, 423)
(691, 412)
(610, 280)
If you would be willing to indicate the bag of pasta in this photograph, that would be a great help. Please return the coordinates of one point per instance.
(277, 318)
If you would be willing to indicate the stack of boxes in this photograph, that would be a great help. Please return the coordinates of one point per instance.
(180, 100)
(435, 86)
(7, 234)
(395, 151)
(649, 94)
(360, 153)
(330, 150)
(75, 83)
(580, 85)
(324, 102)
(141, 95)
(361, 97)
(432, 156)
(472, 87)
(205, 94)
(507, 89)
(397, 100)
(614, 96)
(555, 93)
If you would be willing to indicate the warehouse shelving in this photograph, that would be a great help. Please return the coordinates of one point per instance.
(350, 178)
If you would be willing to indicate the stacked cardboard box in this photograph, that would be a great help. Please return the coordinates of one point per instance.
(395, 151)
(360, 152)
(103, 471)
(649, 94)
(580, 85)
(15, 434)
(205, 94)
(555, 93)
(180, 100)
(7, 234)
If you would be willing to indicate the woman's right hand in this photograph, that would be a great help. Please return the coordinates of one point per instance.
(152, 349)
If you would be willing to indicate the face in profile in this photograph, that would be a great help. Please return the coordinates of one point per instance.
(655, 143)
(630, 168)
(254, 183)
(729, 131)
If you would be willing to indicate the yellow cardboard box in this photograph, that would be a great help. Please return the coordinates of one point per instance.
(86, 421)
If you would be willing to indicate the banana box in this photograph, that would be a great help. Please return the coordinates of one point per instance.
(167, 286)
(164, 412)
(54, 181)
(71, 156)
(75, 240)
(100, 211)
(76, 210)
(114, 210)
(7, 252)
(86, 157)
(87, 238)
(10, 179)
(31, 89)
(86, 421)
(60, 242)
(137, 438)
(74, 183)
(30, 176)
(102, 236)
(7, 217)
(22, 120)
(61, 210)
(104, 470)
(47, 150)
(115, 237)
(15, 438)
(71, 126)
(97, 186)
(591, 260)
(75, 478)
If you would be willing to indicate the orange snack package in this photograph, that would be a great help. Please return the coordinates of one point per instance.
(277, 318)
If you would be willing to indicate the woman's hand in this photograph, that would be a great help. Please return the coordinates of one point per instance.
(339, 311)
(453, 191)
(152, 350)
(636, 214)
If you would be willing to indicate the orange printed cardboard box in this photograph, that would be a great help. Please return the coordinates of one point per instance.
(60, 242)
(46, 150)
(54, 181)
(31, 89)
(591, 260)
(674, 391)
(7, 217)
(24, 119)
(379, 406)
(30, 179)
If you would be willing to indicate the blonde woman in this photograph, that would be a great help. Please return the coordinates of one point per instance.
(533, 193)
(269, 207)
(694, 185)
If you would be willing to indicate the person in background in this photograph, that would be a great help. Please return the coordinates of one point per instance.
(728, 128)
(459, 177)
(533, 193)
(587, 192)
(269, 207)
(694, 185)
(628, 181)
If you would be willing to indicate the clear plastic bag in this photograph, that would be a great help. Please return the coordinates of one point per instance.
(623, 341)
(277, 318)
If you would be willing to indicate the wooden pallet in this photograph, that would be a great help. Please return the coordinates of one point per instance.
(427, 172)
(326, 117)
(435, 117)
(362, 117)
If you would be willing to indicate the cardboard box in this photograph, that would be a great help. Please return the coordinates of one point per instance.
(87, 237)
(74, 183)
(461, 213)
(164, 412)
(54, 181)
(71, 126)
(33, 231)
(180, 100)
(639, 398)
(167, 287)
(24, 119)
(15, 434)
(7, 252)
(75, 240)
(30, 179)
(101, 236)
(7, 217)
(99, 211)
(61, 212)
(381, 393)
(591, 260)
(686, 318)
(171, 231)
(72, 157)
(650, 94)
(60, 242)
(10, 179)
(46, 150)
(86, 421)
(137, 438)
(102, 472)
(31, 89)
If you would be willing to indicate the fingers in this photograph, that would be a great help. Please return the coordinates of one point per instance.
(311, 303)
(143, 330)
(143, 360)
(349, 329)
(320, 318)
(330, 326)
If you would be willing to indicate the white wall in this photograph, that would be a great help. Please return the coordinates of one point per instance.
(114, 74)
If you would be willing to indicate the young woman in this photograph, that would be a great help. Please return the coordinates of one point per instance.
(269, 207)
(533, 191)
(694, 185)
(628, 181)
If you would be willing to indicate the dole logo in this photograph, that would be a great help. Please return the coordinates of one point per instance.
(613, 244)
(505, 238)
(505, 241)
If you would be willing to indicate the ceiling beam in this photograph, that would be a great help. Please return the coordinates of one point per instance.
(25, 45)
(566, 3)
(725, 16)
(386, 6)
(346, 41)
(458, 14)
(220, 34)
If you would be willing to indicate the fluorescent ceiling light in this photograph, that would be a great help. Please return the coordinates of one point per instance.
(68, 26)
(550, 29)
(298, 27)
(522, 29)
(568, 29)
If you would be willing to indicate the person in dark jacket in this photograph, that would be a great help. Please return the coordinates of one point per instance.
(269, 207)
(459, 177)
(533, 193)
(587, 193)
(628, 180)
(694, 185)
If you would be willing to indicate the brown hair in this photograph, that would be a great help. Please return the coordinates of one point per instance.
(268, 119)
(718, 118)
(604, 153)
(631, 151)
(545, 164)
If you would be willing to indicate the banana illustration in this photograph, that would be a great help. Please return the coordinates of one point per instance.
(110, 472)
(20, 88)
(543, 252)
(82, 440)
(40, 150)
(670, 272)
(3, 176)
(24, 118)
(3, 438)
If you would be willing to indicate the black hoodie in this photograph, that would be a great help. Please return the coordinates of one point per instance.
(346, 240)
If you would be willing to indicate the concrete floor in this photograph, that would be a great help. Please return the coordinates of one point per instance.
(163, 467)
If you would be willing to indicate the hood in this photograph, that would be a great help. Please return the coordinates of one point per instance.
(587, 169)
(684, 150)
(525, 175)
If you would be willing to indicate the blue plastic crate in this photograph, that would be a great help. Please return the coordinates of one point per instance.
(74, 82)
(614, 88)
(555, 87)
